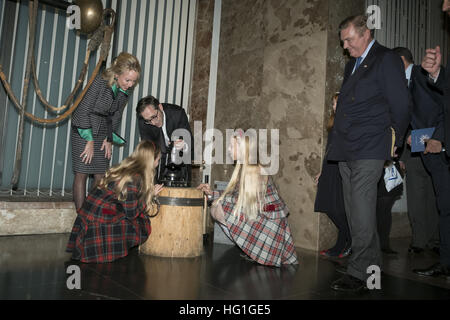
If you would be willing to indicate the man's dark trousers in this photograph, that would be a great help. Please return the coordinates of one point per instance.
(422, 207)
(359, 180)
(438, 166)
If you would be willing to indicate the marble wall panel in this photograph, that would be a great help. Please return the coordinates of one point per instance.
(202, 61)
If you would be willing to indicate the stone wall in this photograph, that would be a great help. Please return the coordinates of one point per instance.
(24, 218)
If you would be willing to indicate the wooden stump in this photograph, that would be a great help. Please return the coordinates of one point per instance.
(177, 231)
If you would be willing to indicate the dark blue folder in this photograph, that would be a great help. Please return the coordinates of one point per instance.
(417, 138)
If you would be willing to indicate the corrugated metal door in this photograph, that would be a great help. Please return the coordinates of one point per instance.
(417, 25)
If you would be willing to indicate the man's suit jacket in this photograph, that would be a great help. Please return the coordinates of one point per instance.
(176, 118)
(443, 83)
(371, 102)
(428, 109)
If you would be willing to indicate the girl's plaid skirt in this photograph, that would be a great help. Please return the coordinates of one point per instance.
(106, 228)
(267, 239)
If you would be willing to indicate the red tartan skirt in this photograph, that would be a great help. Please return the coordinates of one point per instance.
(267, 239)
(104, 232)
(98, 243)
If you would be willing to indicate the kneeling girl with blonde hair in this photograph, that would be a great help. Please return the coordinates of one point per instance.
(250, 210)
(115, 215)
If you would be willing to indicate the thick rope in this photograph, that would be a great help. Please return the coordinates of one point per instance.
(32, 14)
(52, 120)
(38, 90)
(107, 31)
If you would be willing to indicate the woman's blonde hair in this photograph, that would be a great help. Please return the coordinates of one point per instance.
(248, 178)
(137, 168)
(124, 62)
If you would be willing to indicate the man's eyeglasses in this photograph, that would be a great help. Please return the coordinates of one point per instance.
(150, 120)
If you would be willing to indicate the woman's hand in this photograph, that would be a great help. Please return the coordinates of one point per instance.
(88, 153)
(409, 141)
(316, 178)
(158, 188)
(107, 146)
(205, 188)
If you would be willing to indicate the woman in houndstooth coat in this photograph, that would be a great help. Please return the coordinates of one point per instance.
(96, 120)
(251, 212)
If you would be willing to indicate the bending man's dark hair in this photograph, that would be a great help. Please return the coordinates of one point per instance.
(405, 53)
(144, 103)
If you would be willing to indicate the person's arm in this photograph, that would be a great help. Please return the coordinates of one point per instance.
(82, 120)
(274, 207)
(132, 206)
(117, 118)
(82, 116)
(392, 78)
(183, 123)
(432, 63)
(212, 194)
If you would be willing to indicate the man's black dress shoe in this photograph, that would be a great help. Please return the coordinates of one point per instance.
(349, 283)
(436, 270)
(415, 250)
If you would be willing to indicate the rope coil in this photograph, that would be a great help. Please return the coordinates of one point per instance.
(102, 36)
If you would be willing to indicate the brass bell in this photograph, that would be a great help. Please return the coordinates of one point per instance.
(91, 14)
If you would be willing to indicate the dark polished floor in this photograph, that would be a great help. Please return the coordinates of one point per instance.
(34, 267)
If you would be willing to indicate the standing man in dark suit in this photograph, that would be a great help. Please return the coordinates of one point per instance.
(164, 123)
(439, 153)
(427, 112)
(371, 120)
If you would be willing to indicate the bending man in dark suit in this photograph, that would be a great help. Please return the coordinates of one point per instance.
(371, 120)
(163, 123)
(438, 153)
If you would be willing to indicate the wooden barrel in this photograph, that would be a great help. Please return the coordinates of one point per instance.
(177, 230)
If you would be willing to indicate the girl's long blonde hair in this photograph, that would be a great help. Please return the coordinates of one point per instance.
(247, 176)
(137, 168)
(124, 62)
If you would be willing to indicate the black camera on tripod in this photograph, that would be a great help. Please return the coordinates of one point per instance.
(172, 171)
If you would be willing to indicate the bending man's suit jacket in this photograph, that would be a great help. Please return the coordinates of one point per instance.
(371, 102)
(176, 118)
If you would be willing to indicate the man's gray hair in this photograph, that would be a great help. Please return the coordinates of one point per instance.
(359, 22)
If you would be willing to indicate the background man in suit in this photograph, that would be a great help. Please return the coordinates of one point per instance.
(158, 122)
(371, 120)
(426, 112)
(439, 153)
